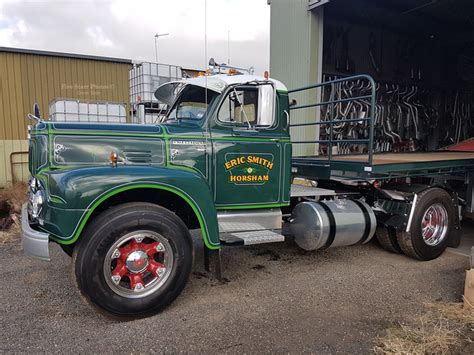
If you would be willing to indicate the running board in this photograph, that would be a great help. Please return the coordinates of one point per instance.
(249, 220)
(252, 237)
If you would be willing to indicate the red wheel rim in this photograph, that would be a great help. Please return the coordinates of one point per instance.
(138, 264)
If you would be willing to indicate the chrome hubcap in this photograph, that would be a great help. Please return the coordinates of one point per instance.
(434, 225)
(138, 264)
(137, 261)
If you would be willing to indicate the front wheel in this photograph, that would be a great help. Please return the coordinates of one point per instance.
(133, 260)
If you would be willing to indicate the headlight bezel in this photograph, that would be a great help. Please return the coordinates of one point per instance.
(36, 198)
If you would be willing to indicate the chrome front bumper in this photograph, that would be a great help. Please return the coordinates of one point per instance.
(35, 243)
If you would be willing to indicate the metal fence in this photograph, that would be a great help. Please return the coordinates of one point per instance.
(347, 114)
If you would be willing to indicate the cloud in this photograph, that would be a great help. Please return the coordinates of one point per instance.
(126, 29)
(98, 37)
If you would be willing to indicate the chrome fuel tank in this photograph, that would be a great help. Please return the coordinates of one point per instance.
(332, 223)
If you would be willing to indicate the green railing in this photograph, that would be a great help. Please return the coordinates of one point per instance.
(339, 96)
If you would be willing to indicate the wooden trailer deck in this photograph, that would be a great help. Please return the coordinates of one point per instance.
(386, 165)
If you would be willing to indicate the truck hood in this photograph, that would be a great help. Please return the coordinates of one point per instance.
(61, 145)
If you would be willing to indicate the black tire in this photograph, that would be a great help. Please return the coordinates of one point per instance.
(412, 243)
(98, 238)
(387, 238)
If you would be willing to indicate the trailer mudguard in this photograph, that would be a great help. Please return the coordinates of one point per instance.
(73, 195)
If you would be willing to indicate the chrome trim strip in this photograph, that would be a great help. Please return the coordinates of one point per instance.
(412, 211)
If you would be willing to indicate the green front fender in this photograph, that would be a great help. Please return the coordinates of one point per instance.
(73, 196)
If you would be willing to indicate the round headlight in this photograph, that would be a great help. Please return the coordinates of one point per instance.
(37, 201)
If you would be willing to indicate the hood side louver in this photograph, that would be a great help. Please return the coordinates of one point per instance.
(138, 157)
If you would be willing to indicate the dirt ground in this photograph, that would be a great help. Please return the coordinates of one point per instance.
(278, 299)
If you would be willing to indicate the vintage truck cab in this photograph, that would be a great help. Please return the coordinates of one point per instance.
(121, 199)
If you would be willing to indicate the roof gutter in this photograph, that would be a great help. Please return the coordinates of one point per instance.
(64, 55)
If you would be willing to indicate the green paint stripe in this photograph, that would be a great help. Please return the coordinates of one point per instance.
(100, 133)
(247, 207)
(57, 200)
(138, 186)
(164, 135)
(186, 137)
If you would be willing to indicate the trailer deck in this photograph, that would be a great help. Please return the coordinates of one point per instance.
(385, 165)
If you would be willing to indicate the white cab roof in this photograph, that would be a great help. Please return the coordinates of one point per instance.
(220, 82)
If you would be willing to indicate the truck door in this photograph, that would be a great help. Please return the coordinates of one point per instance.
(247, 152)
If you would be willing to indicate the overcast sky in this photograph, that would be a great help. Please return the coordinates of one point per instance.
(121, 28)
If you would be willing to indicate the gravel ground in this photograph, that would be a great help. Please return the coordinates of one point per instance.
(278, 299)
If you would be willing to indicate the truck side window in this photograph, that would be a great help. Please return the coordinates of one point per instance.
(249, 105)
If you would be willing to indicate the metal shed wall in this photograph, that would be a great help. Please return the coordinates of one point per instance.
(296, 59)
(33, 76)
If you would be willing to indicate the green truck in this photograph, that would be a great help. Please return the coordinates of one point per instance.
(122, 199)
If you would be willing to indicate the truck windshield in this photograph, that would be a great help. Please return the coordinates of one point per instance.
(191, 104)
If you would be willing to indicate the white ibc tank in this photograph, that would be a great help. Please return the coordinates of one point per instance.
(334, 223)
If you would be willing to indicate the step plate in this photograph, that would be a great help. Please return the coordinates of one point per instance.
(258, 237)
(249, 220)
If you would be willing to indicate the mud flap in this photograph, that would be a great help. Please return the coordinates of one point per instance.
(455, 237)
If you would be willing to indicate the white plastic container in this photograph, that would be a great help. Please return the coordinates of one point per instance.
(144, 79)
(71, 110)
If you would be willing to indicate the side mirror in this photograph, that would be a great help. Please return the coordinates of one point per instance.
(36, 110)
(212, 62)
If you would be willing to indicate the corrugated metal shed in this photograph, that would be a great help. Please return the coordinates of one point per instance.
(296, 60)
(28, 76)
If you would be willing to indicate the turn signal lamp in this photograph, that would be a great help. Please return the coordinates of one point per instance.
(113, 159)
(266, 75)
(200, 74)
(232, 71)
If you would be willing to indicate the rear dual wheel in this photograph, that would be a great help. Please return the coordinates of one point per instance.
(133, 260)
(431, 227)
(387, 238)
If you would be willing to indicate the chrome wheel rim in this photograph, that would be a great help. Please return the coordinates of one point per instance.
(138, 264)
(434, 224)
